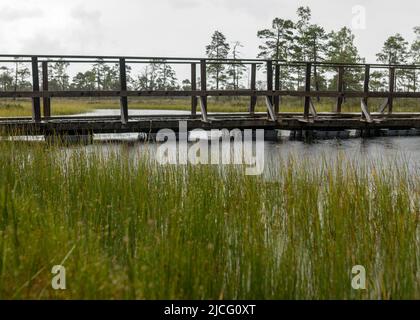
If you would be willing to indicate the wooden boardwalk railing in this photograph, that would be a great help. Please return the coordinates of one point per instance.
(271, 95)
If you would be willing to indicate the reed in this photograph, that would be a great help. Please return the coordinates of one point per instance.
(134, 229)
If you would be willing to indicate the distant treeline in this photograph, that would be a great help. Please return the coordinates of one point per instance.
(287, 40)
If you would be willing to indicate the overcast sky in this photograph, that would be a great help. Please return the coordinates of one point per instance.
(182, 27)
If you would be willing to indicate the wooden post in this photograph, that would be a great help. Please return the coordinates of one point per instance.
(307, 89)
(270, 78)
(391, 89)
(253, 101)
(203, 98)
(123, 88)
(366, 83)
(36, 101)
(193, 88)
(340, 88)
(46, 101)
(277, 88)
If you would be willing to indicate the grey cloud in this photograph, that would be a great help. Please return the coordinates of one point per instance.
(10, 14)
(85, 15)
(254, 8)
(41, 44)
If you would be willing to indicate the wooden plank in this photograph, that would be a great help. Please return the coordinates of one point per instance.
(307, 90)
(123, 87)
(277, 88)
(153, 124)
(271, 113)
(384, 105)
(203, 105)
(220, 93)
(365, 111)
(36, 101)
(46, 101)
(193, 88)
(253, 101)
(340, 88)
(312, 108)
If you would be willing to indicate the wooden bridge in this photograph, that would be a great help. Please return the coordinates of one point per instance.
(369, 118)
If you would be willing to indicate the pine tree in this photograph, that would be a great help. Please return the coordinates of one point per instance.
(395, 51)
(58, 77)
(6, 79)
(84, 81)
(217, 49)
(21, 76)
(236, 71)
(166, 77)
(277, 41)
(341, 49)
(278, 44)
(415, 57)
(298, 52)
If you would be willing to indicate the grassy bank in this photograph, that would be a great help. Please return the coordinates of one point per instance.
(134, 229)
(23, 107)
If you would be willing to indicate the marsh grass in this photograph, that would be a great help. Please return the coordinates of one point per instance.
(22, 107)
(135, 229)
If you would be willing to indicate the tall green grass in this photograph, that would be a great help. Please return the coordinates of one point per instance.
(131, 228)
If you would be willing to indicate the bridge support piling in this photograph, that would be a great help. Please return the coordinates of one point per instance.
(253, 101)
(367, 133)
(277, 88)
(271, 135)
(391, 89)
(46, 101)
(307, 90)
(269, 84)
(193, 88)
(123, 86)
(340, 89)
(36, 101)
(366, 91)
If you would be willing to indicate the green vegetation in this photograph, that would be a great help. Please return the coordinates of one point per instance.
(130, 228)
(19, 108)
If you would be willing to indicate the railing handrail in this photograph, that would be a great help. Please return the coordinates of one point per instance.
(187, 60)
(271, 94)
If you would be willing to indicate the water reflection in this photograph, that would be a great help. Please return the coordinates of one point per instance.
(386, 151)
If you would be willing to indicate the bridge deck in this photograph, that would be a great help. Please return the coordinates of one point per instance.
(153, 123)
